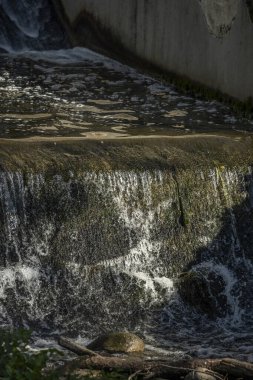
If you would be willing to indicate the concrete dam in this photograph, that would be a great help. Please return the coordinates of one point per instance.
(207, 41)
(126, 204)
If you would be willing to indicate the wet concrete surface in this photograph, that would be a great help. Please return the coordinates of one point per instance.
(93, 97)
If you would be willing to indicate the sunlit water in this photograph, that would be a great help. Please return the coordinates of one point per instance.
(78, 93)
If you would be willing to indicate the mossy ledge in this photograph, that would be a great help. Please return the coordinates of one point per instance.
(194, 151)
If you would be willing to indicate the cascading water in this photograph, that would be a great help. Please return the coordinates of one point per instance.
(90, 251)
(25, 25)
(80, 259)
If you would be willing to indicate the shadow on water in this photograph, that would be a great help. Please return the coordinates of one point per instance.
(210, 311)
(232, 249)
(25, 25)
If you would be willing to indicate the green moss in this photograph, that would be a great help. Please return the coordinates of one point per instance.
(19, 362)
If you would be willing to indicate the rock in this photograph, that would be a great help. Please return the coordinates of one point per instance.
(193, 289)
(204, 291)
(200, 374)
(118, 342)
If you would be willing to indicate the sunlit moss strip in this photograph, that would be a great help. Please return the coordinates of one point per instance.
(149, 154)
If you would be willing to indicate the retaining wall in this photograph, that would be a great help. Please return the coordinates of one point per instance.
(209, 41)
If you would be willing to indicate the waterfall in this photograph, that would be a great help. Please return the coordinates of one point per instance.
(69, 244)
(25, 26)
(86, 252)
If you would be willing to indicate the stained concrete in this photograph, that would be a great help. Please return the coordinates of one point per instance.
(209, 41)
(220, 15)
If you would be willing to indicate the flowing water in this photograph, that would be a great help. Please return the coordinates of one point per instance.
(25, 25)
(87, 251)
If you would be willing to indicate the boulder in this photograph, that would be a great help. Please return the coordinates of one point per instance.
(204, 291)
(118, 342)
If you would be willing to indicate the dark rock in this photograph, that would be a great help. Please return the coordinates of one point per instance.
(204, 291)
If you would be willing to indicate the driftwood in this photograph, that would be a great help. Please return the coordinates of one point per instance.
(75, 347)
(233, 368)
(131, 365)
(230, 368)
(148, 369)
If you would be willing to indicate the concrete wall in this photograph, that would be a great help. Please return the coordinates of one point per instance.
(209, 41)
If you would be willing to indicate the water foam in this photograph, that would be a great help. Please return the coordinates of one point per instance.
(26, 25)
(70, 246)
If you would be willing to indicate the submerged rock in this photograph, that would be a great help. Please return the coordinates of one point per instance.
(118, 342)
(204, 291)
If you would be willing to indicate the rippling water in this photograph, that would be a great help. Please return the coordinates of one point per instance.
(78, 93)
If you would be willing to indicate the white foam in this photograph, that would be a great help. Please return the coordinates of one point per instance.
(25, 17)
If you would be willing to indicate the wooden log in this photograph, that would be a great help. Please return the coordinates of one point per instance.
(233, 368)
(131, 365)
(221, 368)
(75, 347)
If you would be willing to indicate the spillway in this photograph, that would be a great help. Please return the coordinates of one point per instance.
(116, 191)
